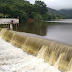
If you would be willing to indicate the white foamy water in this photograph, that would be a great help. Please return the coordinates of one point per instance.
(13, 59)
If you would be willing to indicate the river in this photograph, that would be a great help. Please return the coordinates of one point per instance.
(58, 30)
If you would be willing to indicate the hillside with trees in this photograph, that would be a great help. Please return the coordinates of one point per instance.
(38, 11)
(67, 12)
(56, 13)
(63, 13)
(23, 9)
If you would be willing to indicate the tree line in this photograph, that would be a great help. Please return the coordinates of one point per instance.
(13, 8)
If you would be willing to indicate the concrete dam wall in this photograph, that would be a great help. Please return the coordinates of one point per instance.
(56, 54)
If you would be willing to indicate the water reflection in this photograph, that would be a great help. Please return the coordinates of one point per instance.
(61, 32)
(35, 28)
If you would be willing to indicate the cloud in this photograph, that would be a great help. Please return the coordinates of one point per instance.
(56, 4)
(31, 1)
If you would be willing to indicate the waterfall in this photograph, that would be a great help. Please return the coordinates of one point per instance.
(56, 54)
(70, 66)
(18, 39)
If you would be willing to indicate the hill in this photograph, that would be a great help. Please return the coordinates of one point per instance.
(67, 12)
(56, 13)
(24, 10)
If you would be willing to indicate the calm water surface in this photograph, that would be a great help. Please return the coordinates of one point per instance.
(60, 31)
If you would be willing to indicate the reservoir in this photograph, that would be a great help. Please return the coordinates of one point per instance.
(58, 30)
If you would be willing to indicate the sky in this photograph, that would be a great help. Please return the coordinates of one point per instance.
(56, 4)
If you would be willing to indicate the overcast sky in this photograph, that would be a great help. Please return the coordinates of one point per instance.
(57, 4)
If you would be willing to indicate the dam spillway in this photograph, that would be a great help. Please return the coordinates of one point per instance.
(13, 59)
(55, 54)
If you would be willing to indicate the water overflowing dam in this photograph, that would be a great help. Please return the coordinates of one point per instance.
(42, 55)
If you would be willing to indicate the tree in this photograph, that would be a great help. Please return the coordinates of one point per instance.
(38, 17)
(41, 7)
(23, 9)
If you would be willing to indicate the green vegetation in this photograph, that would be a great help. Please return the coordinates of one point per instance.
(67, 13)
(23, 9)
(60, 14)
(38, 11)
(1, 15)
(56, 14)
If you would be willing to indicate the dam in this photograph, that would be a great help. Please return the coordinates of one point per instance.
(36, 54)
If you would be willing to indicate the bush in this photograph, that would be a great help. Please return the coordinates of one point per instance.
(1, 15)
(38, 17)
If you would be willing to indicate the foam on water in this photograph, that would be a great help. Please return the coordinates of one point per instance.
(13, 59)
